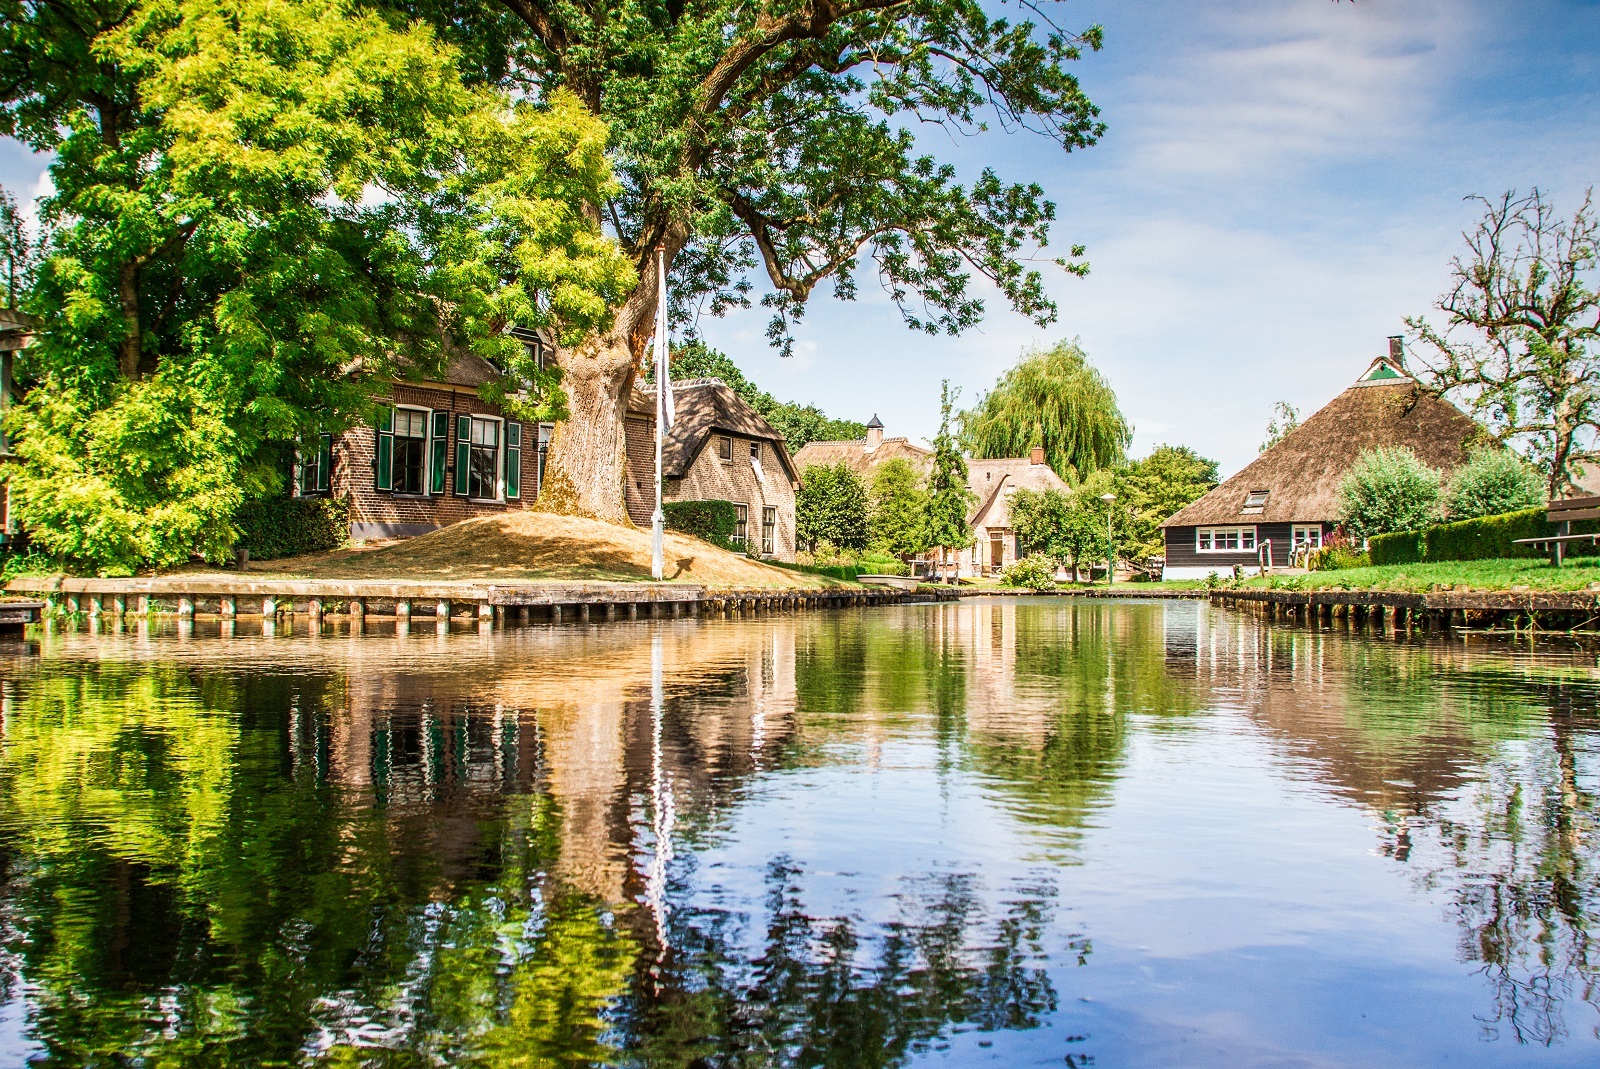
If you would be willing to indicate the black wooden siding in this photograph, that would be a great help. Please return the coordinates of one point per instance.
(1182, 554)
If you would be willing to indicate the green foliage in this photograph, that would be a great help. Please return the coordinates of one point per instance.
(289, 526)
(950, 500)
(16, 252)
(1153, 490)
(215, 280)
(798, 424)
(1481, 538)
(1036, 573)
(1052, 398)
(712, 521)
(1388, 490)
(874, 562)
(1397, 547)
(29, 562)
(1285, 418)
(1492, 481)
(831, 507)
(1065, 527)
(1338, 551)
(897, 522)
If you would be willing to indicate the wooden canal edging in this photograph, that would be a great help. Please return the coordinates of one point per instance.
(229, 598)
(1391, 610)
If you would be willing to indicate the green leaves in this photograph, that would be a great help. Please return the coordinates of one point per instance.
(1388, 490)
(831, 508)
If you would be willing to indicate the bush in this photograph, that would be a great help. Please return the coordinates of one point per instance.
(874, 563)
(1388, 490)
(1336, 554)
(711, 521)
(288, 526)
(1397, 547)
(1492, 481)
(831, 507)
(1483, 538)
(1035, 573)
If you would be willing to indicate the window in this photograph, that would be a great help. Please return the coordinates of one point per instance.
(313, 469)
(483, 459)
(1256, 501)
(741, 525)
(755, 452)
(1307, 535)
(410, 451)
(725, 448)
(1225, 539)
(769, 529)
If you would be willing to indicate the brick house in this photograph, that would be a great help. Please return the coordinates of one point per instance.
(719, 449)
(441, 455)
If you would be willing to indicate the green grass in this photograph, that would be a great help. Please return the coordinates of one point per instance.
(1500, 574)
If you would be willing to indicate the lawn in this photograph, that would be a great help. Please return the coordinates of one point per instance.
(1500, 574)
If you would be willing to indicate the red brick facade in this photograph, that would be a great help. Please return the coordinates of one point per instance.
(378, 513)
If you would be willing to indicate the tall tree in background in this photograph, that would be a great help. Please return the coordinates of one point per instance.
(779, 137)
(950, 500)
(1285, 418)
(1154, 489)
(1519, 343)
(831, 508)
(16, 251)
(216, 280)
(1053, 398)
(899, 509)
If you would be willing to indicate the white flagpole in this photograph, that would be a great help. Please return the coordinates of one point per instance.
(658, 521)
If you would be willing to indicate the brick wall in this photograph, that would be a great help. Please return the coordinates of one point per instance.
(710, 478)
(378, 513)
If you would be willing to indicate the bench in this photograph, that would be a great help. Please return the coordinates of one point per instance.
(1563, 514)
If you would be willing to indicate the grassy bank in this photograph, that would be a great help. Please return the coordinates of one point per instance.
(1500, 574)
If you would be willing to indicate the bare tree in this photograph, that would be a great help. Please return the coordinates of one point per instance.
(1521, 319)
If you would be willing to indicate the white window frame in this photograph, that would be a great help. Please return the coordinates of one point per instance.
(1205, 539)
(769, 531)
(499, 457)
(1306, 534)
(741, 540)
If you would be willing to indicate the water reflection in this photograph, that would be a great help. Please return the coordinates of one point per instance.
(852, 839)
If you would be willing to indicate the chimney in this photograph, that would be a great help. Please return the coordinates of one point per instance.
(1397, 351)
(1037, 457)
(874, 433)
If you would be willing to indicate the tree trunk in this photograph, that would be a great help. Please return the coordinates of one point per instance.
(588, 460)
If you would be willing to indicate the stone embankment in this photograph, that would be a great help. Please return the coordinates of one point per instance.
(489, 604)
(1436, 610)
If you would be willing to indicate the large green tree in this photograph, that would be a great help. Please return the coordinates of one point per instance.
(262, 209)
(1155, 488)
(1052, 398)
(950, 499)
(831, 508)
(898, 520)
(782, 138)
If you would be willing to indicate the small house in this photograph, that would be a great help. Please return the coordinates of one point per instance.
(1287, 498)
(718, 449)
(992, 483)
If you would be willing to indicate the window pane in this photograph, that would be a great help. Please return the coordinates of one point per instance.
(1249, 538)
(406, 469)
(1205, 539)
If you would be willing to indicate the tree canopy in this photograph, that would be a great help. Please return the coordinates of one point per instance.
(831, 508)
(1055, 399)
(950, 499)
(262, 209)
(1154, 489)
(898, 520)
(798, 424)
(1388, 490)
(1518, 347)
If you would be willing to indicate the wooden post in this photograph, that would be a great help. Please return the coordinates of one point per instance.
(555, 614)
(119, 604)
(583, 613)
(524, 614)
(314, 610)
(633, 610)
(485, 614)
(227, 607)
(357, 608)
(185, 608)
(441, 610)
(269, 608)
(402, 609)
(73, 604)
(94, 606)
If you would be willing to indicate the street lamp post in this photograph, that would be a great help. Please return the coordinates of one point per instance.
(1111, 557)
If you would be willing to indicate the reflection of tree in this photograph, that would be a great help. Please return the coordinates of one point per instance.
(825, 992)
(1519, 861)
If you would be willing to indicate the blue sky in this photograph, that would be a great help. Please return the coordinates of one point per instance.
(1281, 182)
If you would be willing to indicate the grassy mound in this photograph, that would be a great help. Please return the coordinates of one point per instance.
(537, 545)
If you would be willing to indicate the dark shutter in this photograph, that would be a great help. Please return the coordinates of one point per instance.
(325, 463)
(463, 453)
(384, 457)
(440, 445)
(513, 459)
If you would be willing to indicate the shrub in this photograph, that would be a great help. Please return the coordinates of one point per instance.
(1397, 547)
(1492, 481)
(1388, 490)
(873, 563)
(1337, 552)
(288, 526)
(1035, 573)
(1483, 538)
(711, 521)
(831, 507)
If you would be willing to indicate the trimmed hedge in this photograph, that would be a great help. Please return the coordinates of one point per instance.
(289, 526)
(1484, 538)
(713, 521)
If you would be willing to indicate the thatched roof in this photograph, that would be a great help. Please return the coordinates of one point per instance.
(862, 460)
(1301, 473)
(705, 406)
(989, 480)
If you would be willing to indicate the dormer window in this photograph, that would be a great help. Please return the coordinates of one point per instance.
(1256, 501)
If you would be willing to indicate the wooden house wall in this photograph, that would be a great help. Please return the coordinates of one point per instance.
(1182, 554)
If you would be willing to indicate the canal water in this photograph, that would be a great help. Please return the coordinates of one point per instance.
(1016, 832)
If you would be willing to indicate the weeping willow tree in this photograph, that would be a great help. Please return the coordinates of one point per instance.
(1053, 398)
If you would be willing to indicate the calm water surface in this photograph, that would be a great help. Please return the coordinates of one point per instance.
(1011, 833)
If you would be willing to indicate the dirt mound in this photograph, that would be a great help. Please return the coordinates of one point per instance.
(537, 545)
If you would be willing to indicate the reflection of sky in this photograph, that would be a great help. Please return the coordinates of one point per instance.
(1281, 182)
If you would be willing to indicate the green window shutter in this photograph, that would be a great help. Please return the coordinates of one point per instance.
(463, 450)
(513, 459)
(325, 463)
(304, 473)
(384, 458)
(440, 457)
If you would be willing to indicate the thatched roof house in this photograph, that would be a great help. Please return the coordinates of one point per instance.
(1288, 496)
(864, 455)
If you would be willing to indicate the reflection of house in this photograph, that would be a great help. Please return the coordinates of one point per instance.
(718, 449)
(441, 454)
(1288, 496)
(992, 482)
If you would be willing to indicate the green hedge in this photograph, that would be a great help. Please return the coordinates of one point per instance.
(1485, 538)
(847, 572)
(713, 521)
(289, 526)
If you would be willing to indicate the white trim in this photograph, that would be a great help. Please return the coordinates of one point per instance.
(1245, 532)
(1200, 571)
